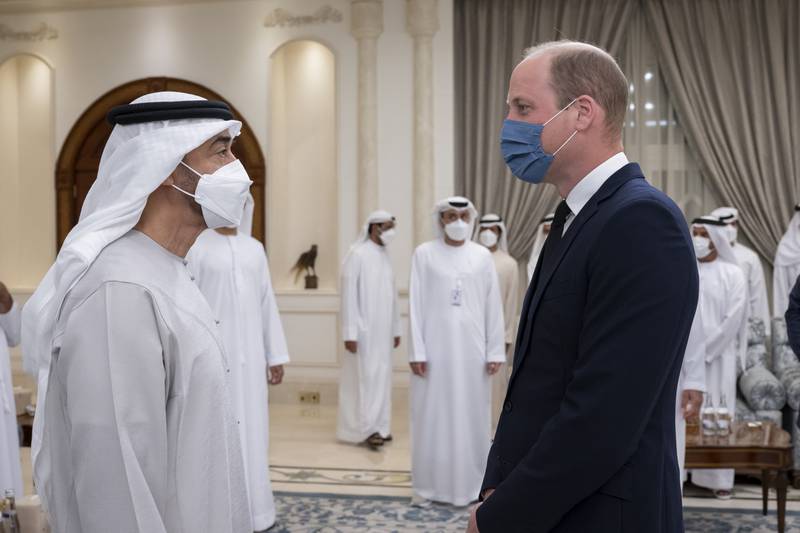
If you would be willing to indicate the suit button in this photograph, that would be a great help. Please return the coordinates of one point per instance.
(507, 406)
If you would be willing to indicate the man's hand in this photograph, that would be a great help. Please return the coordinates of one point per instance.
(419, 369)
(396, 342)
(351, 346)
(691, 401)
(275, 374)
(472, 526)
(492, 368)
(6, 301)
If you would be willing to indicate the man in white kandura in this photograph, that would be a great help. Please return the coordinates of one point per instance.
(787, 265)
(135, 430)
(232, 271)
(371, 330)
(691, 385)
(723, 309)
(10, 471)
(458, 343)
(542, 231)
(750, 263)
(493, 235)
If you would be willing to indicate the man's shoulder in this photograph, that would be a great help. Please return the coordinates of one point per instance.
(743, 252)
(426, 247)
(637, 200)
(127, 262)
(504, 259)
(732, 272)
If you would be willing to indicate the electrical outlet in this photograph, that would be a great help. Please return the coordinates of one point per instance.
(309, 397)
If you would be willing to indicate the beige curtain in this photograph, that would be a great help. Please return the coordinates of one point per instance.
(489, 37)
(732, 69)
(653, 137)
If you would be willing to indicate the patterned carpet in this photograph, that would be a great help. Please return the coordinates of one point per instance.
(326, 513)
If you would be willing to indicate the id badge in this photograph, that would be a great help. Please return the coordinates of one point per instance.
(457, 296)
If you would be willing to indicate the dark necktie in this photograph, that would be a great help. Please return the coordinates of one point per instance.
(554, 237)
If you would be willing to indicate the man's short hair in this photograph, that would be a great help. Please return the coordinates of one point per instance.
(578, 68)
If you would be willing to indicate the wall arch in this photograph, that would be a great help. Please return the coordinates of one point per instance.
(303, 154)
(79, 159)
(26, 151)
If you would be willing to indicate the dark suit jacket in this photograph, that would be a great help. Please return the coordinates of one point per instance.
(793, 319)
(586, 440)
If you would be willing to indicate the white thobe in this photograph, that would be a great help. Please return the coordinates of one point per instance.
(10, 470)
(692, 377)
(783, 279)
(138, 432)
(370, 318)
(723, 297)
(750, 263)
(457, 328)
(508, 277)
(233, 274)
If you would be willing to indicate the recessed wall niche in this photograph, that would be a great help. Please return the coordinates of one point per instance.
(27, 216)
(302, 176)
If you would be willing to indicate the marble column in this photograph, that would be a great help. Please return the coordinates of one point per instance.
(366, 27)
(422, 22)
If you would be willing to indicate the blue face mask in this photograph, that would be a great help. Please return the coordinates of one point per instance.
(521, 145)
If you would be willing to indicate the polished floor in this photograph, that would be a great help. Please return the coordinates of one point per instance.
(305, 457)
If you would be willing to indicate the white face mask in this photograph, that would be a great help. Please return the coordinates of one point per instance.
(488, 238)
(387, 236)
(222, 195)
(702, 246)
(457, 231)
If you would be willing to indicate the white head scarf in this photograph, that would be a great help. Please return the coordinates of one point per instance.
(788, 253)
(719, 236)
(729, 215)
(538, 242)
(137, 158)
(376, 217)
(492, 220)
(460, 204)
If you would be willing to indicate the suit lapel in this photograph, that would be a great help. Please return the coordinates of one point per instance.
(541, 278)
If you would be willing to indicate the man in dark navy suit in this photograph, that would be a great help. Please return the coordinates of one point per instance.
(586, 439)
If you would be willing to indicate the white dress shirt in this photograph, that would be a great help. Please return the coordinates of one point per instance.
(580, 195)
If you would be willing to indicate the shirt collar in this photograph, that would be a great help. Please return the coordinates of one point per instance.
(580, 195)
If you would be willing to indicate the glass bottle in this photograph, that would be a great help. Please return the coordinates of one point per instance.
(723, 419)
(709, 418)
(2, 516)
(10, 518)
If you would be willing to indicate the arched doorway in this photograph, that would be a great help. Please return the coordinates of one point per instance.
(79, 159)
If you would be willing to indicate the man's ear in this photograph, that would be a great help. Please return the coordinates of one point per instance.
(589, 111)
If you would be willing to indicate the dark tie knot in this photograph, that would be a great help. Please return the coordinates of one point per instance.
(562, 212)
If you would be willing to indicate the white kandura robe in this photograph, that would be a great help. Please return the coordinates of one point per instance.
(723, 296)
(370, 317)
(750, 264)
(138, 432)
(786, 267)
(783, 279)
(692, 377)
(508, 276)
(233, 274)
(450, 406)
(10, 469)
